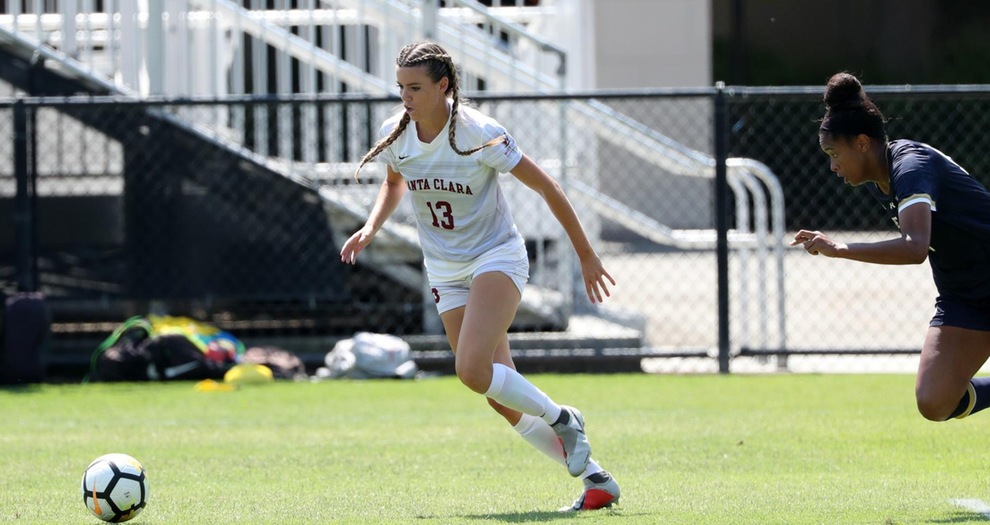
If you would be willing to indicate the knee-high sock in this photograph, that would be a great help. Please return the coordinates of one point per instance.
(512, 390)
(976, 398)
(538, 433)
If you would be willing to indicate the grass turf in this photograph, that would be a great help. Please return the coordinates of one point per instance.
(787, 449)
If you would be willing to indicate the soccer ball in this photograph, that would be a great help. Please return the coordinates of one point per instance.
(115, 487)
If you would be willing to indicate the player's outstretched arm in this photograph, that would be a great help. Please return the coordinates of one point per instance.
(596, 279)
(391, 192)
(910, 248)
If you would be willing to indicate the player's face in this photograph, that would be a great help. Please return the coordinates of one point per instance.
(847, 157)
(422, 98)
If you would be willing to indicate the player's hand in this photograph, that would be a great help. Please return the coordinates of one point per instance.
(595, 278)
(355, 244)
(816, 243)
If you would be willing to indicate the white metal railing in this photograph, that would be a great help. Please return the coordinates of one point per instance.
(196, 42)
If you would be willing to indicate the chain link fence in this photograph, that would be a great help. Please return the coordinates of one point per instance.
(233, 211)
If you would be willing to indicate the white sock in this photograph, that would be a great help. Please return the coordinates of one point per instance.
(593, 468)
(538, 433)
(512, 390)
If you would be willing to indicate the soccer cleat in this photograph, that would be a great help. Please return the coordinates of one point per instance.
(600, 491)
(577, 448)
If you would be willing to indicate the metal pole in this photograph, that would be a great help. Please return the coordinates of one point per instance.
(429, 11)
(155, 47)
(23, 204)
(722, 225)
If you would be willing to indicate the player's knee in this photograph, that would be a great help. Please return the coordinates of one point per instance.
(477, 378)
(934, 409)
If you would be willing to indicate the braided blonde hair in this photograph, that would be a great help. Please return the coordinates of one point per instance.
(438, 65)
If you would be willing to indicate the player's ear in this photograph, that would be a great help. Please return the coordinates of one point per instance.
(863, 142)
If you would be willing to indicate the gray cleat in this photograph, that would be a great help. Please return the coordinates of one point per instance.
(577, 448)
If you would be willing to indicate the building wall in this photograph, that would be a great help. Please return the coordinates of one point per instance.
(615, 44)
(652, 43)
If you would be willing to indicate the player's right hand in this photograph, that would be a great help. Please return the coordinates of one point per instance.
(817, 243)
(356, 243)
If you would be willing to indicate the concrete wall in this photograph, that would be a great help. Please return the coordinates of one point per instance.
(633, 43)
(652, 43)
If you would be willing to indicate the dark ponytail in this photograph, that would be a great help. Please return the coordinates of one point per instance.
(849, 111)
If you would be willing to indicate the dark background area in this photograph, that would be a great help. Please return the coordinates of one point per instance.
(789, 42)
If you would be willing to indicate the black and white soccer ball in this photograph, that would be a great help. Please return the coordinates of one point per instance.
(115, 487)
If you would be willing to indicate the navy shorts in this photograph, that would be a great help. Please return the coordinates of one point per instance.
(973, 315)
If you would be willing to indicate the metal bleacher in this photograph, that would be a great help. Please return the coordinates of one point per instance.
(349, 45)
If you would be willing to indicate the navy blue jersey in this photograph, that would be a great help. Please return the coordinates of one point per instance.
(959, 252)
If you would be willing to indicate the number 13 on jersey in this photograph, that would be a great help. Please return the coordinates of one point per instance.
(442, 213)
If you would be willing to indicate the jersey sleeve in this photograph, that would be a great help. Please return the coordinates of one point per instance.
(502, 156)
(915, 180)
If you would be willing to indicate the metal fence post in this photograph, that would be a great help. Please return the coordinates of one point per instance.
(429, 12)
(24, 202)
(722, 225)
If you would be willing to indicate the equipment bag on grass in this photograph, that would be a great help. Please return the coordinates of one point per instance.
(165, 348)
(369, 355)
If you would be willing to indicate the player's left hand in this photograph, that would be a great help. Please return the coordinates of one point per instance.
(595, 278)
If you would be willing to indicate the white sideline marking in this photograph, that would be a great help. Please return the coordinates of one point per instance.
(973, 505)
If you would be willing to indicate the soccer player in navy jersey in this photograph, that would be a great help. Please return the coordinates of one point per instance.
(943, 214)
(448, 157)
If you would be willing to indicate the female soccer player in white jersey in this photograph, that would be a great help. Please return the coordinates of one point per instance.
(943, 215)
(448, 157)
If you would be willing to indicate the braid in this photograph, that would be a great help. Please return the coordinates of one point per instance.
(383, 143)
(454, 107)
(438, 65)
(455, 93)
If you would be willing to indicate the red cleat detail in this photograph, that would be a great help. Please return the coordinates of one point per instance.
(595, 499)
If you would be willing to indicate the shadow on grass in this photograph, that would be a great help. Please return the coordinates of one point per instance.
(20, 389)
(537, 516)
(963, 517)
(521, 517)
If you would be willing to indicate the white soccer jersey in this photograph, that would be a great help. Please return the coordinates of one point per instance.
(460, 210)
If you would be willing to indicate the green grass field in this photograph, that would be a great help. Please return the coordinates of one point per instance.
(787, 449)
